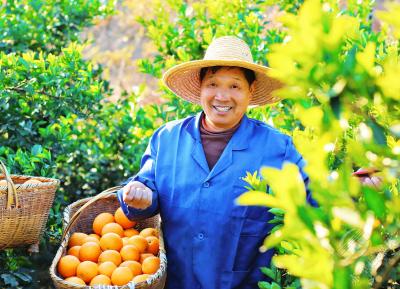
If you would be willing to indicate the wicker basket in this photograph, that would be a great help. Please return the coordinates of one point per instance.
(24, 208)
(79, 216)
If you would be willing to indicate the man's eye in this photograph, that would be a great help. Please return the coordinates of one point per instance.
(235, 86)
(212, 84)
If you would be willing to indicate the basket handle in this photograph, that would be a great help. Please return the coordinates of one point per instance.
(103, 194)
(12, 198)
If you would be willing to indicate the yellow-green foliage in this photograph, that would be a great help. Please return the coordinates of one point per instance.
(343, 81)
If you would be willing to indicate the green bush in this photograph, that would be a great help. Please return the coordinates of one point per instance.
(36, 91)
(46, 26)
(101, 151)
(351, 240)
(44, 81)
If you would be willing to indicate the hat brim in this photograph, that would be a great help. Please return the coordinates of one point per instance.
(184, 80)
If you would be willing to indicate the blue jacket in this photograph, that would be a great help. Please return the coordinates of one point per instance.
(211, 243)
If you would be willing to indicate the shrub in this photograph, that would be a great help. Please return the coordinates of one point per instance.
(46, 26)
(336, 61)
(44, 80)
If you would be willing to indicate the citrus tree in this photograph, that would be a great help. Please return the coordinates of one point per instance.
(340, 78)
(44, 80)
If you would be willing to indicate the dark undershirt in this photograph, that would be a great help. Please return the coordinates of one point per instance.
(214, 143)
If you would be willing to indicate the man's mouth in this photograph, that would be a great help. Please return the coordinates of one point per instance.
(221, 108)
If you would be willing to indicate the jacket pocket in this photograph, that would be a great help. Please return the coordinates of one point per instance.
(250, 239)
(234, 279)
(250, 226)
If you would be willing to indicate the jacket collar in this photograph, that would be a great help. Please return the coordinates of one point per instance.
(239, 140)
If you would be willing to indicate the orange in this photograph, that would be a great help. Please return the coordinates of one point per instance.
(3, 183)
(67, 266)
(153, 245)
(91, 239)
(140, 278)
(87, 270)
(106, 268)
(125, 241)
(100, 280)
(113, 228)
(144, 256)
(75, 280)
(89, 251)
(95, 235)
(135, 267)
(121, 276)
(130, 232)
(149, 232)
(101, 220)
(139, 242)
(111, 241)
(123, 220)
(76, 239)
(110, 255)
(150, 265)
(32, 181)
(130, 252)
(74, 251)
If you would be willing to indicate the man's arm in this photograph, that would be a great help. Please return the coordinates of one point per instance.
(139, 197)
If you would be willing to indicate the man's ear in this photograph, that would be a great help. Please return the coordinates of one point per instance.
(252, 88)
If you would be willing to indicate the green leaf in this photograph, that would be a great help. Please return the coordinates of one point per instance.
(336, 106)
(264, 285)
(276, 211)
(350, 60)
(305, 217)
(275, 221)
(275, 286)
(376, 239)
(375, 201)
(268, 272)
(276, 228)
(342, 278)
(378, 132)
(36, 149)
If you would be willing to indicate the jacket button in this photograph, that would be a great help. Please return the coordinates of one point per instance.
(200, 236)
(206, 184)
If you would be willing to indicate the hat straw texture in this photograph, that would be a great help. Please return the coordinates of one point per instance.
(184, 79)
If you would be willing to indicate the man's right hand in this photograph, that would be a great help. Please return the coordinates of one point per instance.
(137, 195)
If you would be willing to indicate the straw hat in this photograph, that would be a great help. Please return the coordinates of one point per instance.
(184, 79)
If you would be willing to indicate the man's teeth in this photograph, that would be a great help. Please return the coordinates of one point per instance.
(222, 108)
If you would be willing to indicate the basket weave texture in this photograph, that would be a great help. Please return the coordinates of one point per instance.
(79, 217)
(24, 208)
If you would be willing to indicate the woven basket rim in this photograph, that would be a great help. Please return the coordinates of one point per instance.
(46, 182)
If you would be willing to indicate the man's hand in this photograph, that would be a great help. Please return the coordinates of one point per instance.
(137, 195)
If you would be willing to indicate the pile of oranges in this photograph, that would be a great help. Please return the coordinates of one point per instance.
(114, 254)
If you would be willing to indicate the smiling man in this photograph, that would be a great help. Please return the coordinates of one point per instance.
(192, 171)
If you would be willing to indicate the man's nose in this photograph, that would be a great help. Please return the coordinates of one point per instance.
(221, 94)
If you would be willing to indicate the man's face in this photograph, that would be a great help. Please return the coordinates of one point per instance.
(225, 96)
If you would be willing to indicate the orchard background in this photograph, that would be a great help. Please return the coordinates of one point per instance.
(70, 109)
